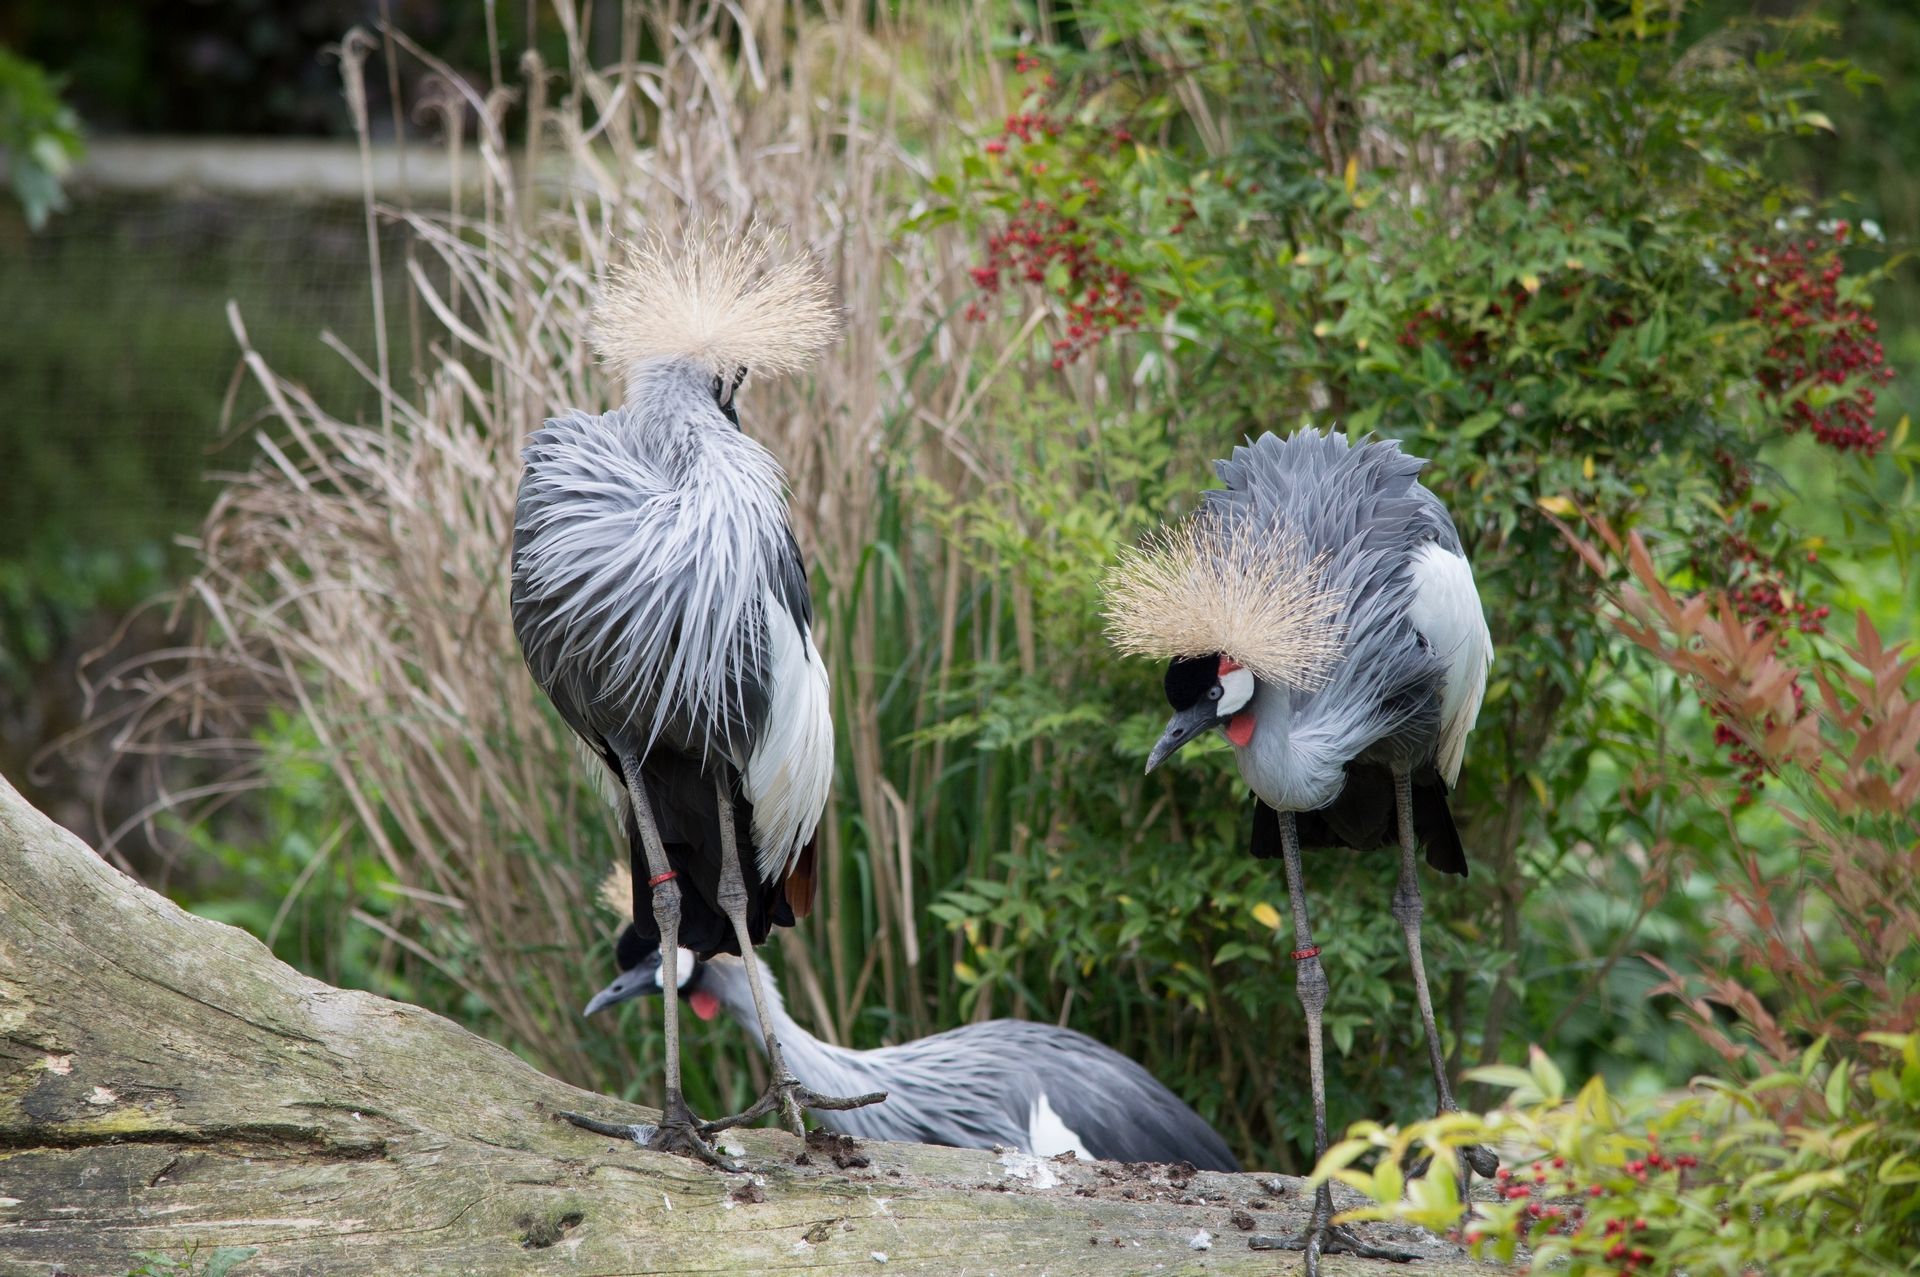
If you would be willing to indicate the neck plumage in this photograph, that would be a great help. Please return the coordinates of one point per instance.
(833, 1070)
(1291, 769)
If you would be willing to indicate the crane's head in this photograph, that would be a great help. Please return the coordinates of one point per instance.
(1226, 598)
(704, 303)
(641, 977)
(1205, 691)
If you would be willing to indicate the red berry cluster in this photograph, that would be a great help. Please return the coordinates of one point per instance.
(1042, 242)
(1792, 288)
(1099, 296)
(1759, 592)
(1557, 1203)
(1815, 338)
(1023, 126)
(1753, 768)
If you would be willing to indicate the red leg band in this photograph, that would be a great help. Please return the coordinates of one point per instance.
(668, 876)
(1301, 955)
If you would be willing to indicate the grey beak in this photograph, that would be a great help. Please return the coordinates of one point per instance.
(641, 981)
(1181, 728)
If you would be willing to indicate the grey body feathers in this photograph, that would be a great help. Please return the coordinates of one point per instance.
(641, 539)
(652, 561)
(1361, 511)
(980, 1085)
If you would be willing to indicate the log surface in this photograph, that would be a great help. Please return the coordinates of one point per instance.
(169, 1089)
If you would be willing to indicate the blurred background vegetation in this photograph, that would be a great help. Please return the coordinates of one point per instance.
(1648, 262)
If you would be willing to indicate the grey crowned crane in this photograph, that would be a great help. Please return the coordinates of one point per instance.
(1319, 610)
(661, 604)
(1018, 1084)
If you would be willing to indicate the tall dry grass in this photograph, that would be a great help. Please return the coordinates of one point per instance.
(355, 573)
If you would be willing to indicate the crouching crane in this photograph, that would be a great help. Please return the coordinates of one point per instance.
(662, 605)
(1320, 611)
(1042, 1089)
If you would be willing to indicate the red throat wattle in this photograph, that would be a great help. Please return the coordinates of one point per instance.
(704, 1004)
(1240, 728)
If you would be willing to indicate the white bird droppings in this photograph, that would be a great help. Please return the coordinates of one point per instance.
(879, 1256)
(101, 1097)
(1202, 1240)
(61, 1064)
(1030, 1168)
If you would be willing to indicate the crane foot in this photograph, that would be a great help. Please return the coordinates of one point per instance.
(676, 1133)
(1335, 1239)
(790, 1096)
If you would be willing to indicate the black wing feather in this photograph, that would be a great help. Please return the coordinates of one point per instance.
(1362, 818)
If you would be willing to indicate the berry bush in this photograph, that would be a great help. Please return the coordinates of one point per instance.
(1567, 269)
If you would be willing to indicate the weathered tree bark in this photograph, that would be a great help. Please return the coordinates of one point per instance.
(167, 1087)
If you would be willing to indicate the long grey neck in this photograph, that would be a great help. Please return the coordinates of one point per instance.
(832, 1070)
(1289, 773)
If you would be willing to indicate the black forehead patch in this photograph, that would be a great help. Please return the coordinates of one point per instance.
(1189, 678)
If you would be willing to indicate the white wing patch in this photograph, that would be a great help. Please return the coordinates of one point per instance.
(787, 775)
(1446, 609)
(1048, 1136)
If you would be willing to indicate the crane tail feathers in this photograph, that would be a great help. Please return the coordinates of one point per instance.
(801, 884)
(1433, 825)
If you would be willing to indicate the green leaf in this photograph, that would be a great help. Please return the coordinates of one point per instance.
(1836, 1090)
(1478, 424)
(1546, 1075)
(223, 1261)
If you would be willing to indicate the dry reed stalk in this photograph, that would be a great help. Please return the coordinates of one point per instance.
(356, 573)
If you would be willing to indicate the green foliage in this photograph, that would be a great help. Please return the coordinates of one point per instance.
(1804, 1157)
(40, 136)
(1715, 1182)
(1504, 235)
(218, 1262)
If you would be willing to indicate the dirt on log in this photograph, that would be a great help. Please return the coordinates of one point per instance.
(173, 1097)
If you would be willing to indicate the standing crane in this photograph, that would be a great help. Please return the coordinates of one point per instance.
(661, 604)
(1040, 1088)
(1319, 609)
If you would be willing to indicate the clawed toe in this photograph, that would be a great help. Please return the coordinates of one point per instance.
(683, 1139)
(789, 1096)
(810, 1098)
(1335, 1239)
(677, 1133)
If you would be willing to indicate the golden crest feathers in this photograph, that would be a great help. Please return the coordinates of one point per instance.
(616, 892)
(1236, 587)
(730, 299)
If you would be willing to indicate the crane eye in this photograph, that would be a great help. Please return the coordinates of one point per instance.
(1213, 693)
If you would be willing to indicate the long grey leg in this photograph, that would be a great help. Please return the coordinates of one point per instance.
(784, 1089)
(677, 1132)
(1408, 908)
(1311, 982)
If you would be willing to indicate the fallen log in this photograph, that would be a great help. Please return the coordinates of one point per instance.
(173, 1099)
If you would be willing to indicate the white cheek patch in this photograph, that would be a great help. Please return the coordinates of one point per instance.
(1236, 689)
(683, 969)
